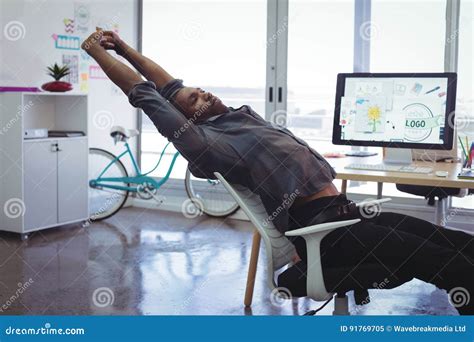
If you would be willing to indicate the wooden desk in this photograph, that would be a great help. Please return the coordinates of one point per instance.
(451, 181)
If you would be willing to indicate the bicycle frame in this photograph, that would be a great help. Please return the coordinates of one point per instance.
(140, 178)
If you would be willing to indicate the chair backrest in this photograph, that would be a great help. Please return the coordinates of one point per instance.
(278, 248)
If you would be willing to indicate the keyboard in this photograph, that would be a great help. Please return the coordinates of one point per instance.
(389, 167)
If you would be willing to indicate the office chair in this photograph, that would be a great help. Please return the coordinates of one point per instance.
(436, 196)
(307, 281)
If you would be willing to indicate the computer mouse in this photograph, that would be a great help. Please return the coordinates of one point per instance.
(442, 173)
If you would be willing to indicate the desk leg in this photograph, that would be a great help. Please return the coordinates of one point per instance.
(440, 211)
(379, 190)
(344, 186)
(252, 269)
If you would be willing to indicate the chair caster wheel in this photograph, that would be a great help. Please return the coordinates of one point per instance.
(24, 236)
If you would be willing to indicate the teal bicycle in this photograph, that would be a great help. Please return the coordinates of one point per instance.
(110, 184)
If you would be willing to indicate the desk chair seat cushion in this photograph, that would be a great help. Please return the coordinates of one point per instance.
(429, 192)
(128, 133)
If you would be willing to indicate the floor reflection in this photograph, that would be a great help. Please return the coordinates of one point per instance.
(147, 262)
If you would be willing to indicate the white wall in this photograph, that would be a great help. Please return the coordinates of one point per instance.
(27, 47)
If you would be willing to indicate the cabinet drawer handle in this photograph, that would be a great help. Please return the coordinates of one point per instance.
(55, 147)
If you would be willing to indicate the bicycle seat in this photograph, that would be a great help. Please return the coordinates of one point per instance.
(126, 133)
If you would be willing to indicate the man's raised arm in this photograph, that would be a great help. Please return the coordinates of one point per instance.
(119, 73)
(149, 69)
(171, 123)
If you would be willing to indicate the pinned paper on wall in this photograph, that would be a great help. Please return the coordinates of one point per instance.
(81, 17)
(84, 82)
(66, 42)
(84, 56)
(68, 25)
(84, 67)
(96, 72)
(108, 24)
(72, 61)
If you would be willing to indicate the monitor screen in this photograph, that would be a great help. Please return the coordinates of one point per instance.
(395, 110)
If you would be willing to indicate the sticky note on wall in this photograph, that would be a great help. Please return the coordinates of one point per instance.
(66, 42)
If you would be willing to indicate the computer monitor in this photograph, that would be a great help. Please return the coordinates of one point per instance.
(399, 110)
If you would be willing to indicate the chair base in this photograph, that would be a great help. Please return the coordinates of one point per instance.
(341, 305)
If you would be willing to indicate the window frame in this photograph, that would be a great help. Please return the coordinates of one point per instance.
(277, 56)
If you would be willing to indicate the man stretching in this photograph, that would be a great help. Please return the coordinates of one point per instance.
(273, 163)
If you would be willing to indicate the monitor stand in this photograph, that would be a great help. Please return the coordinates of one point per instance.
(398, 156)
(360, 154)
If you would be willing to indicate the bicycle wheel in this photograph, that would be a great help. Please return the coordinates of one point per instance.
(209, 196)
(105, 202)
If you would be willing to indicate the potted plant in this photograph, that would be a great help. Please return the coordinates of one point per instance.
(57, 73)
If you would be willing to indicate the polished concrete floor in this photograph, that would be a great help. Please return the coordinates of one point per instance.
(148, 262)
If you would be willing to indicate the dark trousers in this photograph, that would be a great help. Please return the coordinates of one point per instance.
(390, 249)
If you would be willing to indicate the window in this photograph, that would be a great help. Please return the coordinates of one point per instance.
(222, 45)
(320, 45)
(219, 46)
(407, 36)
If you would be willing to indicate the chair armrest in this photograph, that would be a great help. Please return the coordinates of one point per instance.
(315, 287)
(371, 202)
(321, 227)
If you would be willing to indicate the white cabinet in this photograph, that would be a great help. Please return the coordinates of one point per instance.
(44, 182)
(40, 185)
(73, 183)
(55, 182)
